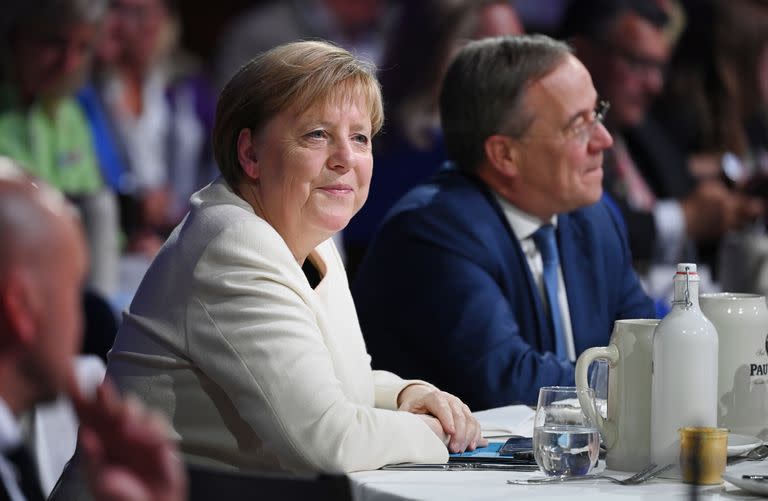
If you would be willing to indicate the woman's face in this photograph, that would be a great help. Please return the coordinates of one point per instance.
(52, 62)
(314, 168)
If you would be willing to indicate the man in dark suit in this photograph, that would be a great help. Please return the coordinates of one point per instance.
(492, 278)
(625, 45)
(43, 261)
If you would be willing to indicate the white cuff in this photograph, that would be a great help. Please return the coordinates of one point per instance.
(670, 230)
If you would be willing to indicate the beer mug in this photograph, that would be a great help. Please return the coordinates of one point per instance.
(626, 430)
(741, 321)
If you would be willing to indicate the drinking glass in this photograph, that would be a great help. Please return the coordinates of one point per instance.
(565, 440)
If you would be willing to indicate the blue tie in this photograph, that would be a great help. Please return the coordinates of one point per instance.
(545, 241)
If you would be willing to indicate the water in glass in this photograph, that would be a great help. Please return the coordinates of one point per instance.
(566, 441)
(566, 449)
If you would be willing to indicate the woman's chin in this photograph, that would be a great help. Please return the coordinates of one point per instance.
(330, 225)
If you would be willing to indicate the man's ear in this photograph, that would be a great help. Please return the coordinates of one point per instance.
(503, 154)
(17, 301)
(247, 154)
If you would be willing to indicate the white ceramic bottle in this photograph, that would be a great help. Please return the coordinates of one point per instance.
(684, 374)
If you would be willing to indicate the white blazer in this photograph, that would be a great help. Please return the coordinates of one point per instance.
(254, 368)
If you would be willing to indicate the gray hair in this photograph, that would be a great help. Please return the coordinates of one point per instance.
(484, 88)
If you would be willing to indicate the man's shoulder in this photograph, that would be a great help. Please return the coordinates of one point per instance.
(448, 193)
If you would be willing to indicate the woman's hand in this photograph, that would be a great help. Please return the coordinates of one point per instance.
(453, 416)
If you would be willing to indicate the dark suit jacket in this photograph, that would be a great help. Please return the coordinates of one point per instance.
(663, 166)
(445, 293)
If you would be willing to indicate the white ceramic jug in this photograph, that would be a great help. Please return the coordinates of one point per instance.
(742, 390)
(684, 374)
(626, 430)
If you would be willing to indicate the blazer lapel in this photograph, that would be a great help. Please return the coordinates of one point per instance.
(578, 274)
(516, 267)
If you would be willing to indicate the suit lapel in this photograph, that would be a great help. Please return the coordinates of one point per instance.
(517, 266)
(575, 262)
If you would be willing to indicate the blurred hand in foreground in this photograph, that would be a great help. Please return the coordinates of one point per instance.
(127, 452)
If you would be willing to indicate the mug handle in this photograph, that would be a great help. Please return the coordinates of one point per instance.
(611, 354)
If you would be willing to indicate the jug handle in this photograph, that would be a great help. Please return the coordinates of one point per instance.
(611, 354)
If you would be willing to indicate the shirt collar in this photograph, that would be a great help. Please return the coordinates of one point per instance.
(10, 430)
(523, 224)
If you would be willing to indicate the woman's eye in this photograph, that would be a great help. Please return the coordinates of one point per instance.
(317, 134)
(360, 138)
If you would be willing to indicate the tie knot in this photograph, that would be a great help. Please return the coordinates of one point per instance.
(545, 241)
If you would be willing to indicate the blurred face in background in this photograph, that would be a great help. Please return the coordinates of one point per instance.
(138, 29)
(498, 19)
(632, 74)
(355, 16)
(52, 61)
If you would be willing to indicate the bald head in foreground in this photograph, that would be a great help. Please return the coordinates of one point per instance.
(43, 263)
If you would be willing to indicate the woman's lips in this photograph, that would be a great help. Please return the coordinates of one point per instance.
(337, 189)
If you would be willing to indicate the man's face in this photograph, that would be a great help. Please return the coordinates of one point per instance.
(631, 74)
(560, 156)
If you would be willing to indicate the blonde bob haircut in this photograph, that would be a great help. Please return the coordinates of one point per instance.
(294, 76)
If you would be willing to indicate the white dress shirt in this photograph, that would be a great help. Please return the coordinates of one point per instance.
(525, 225)
(10, 437)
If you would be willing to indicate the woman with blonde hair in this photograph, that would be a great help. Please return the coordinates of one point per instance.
(243, 332)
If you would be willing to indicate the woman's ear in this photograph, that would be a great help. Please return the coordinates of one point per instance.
(502, 154)
(246, 153)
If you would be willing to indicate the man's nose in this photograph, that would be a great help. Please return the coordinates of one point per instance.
(601, 139)
(654, 80)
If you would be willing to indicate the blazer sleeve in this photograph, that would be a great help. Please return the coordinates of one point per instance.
(388, 386)
(259, 341)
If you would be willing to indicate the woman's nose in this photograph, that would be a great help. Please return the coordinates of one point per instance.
(342, 156)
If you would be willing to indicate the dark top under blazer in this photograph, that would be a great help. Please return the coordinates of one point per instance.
(445, 293)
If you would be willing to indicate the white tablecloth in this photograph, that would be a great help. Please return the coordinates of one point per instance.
(389, 485)
(492, 485)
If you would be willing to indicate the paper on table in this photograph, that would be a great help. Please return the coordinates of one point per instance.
(509, 420)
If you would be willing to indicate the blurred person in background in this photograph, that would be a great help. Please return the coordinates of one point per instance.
(356, 25)
(128, 454)
(626, 46)
(420, 45)
(158, 110)
(716, 109)
(45, 50)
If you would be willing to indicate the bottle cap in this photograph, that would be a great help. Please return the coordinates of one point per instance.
(691, 267)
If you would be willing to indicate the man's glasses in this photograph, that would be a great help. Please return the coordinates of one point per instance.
(583, 131)
(639, 65)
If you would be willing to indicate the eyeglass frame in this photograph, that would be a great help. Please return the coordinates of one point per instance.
(638, 65)
(584, 131)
